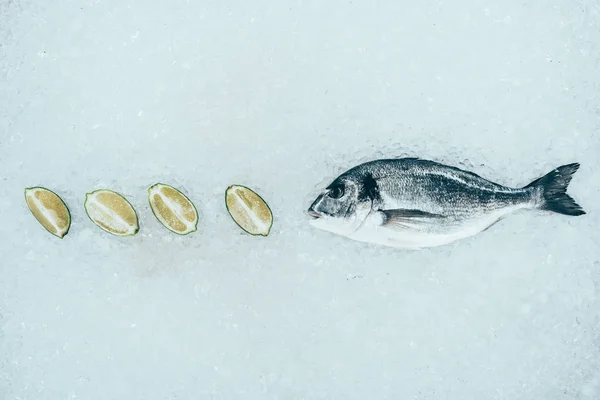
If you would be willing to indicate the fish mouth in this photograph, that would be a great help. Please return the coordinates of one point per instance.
(314, 215)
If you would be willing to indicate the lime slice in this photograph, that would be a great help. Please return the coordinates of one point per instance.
(49, 209)
(111, 212)
(173, 209)
(248, 210)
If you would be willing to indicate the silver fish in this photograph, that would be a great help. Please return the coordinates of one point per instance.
(413, 203)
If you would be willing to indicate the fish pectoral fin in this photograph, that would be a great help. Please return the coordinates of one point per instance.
(405, 218)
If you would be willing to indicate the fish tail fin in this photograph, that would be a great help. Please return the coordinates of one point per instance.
(551, 191)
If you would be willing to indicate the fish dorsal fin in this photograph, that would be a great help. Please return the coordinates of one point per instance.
(407, 218)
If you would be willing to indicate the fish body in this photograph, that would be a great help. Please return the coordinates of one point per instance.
(413, 203)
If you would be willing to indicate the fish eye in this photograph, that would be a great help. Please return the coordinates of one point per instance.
(336, 192)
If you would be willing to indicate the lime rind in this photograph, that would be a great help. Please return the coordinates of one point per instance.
(61, 235)
(137, 220)
(163, 223)
(264, 202)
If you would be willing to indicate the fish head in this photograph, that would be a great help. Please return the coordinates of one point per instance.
(339, 208)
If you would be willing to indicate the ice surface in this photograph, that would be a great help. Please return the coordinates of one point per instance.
(282, 96)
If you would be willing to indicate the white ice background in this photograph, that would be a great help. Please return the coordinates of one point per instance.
(282, 96)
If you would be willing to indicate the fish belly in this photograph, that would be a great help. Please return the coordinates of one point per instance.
(417, 238)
